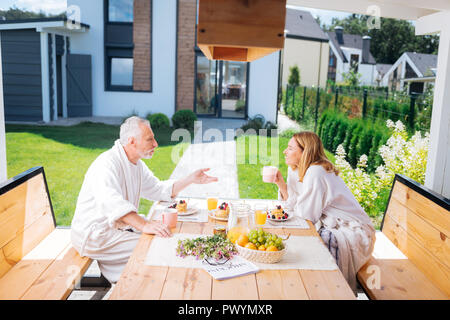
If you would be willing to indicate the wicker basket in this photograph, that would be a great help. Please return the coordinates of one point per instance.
(261, 256)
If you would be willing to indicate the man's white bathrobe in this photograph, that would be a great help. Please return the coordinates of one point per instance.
(325, 200)
(112, 188)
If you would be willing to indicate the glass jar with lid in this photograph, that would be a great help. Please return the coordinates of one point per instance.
(239, 221)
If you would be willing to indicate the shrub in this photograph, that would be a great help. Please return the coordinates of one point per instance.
(159, 121)
(259, 122)
(240, 105)
(184, 119)
(294, 76)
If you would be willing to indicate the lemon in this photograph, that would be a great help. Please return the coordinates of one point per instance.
(250, 245)
(272, 248)
(262, 248)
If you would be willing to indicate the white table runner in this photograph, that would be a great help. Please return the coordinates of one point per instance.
(200, 216)
(303, 252)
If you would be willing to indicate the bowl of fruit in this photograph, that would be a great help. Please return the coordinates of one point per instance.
(261, 246)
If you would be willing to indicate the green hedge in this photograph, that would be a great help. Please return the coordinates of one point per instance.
(184, 119)
(158, 121)
(357, 136)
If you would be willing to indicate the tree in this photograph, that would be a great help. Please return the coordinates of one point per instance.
(294, 76)
(390, 41)
(14, 13)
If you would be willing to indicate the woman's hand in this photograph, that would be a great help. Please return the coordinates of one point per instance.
(279, 181)
(157, 228)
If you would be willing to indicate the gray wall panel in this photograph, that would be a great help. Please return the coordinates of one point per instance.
(21, 62)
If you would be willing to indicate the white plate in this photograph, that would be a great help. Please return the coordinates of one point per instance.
(188, 212)
(212, 215)
(278, 220)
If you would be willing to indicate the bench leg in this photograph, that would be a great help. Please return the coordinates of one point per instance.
(92, 281)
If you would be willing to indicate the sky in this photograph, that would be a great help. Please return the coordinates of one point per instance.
(58, 6)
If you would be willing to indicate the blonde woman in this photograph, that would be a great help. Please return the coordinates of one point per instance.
(315, 192)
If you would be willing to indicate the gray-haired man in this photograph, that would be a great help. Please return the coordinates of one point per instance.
(109, 198)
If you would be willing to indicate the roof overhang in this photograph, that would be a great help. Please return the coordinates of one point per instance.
(58, 26)
(397, 9)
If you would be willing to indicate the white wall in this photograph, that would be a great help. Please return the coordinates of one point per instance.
(111, 103)
(263, 87)
(310, 59)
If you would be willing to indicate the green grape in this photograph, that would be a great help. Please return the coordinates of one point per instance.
(260, 232)
(257, 244)
(279, 241)
(260, 239)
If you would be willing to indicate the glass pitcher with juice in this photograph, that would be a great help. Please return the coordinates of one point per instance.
(238, 221)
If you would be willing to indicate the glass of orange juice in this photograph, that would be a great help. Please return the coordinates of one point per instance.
(260, 214)
(212, 203)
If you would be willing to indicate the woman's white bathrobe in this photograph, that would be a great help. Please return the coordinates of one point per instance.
(112, 188)
(325, 200)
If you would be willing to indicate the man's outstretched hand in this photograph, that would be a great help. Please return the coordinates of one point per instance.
(200, 177)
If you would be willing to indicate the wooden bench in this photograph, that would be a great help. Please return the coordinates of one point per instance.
(37, 260)
(411, 259)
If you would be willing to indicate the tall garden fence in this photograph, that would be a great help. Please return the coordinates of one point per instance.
(305, 104)
(356, 117)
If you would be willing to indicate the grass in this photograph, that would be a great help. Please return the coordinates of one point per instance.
(67, 152)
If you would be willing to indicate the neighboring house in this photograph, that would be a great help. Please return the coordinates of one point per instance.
(306, 46)
(381, 70)
(36, 85)
(416, 69)
(140, 57)
(347, 50)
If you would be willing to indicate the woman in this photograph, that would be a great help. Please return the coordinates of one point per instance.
(315, 192)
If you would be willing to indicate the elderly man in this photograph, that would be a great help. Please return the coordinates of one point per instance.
(106, 225)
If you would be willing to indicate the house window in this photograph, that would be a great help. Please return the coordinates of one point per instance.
(332, 66)
(120, 11)
(354, 62)
(127, 56)
(121, 71)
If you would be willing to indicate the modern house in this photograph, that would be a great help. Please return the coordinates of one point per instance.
(130, 57)
(350, 51)
(381, 70)
(306, 46)
(416, 69)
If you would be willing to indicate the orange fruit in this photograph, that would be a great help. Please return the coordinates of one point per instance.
(272, 248)
(250, 245)
(262, 248)
(242, 240)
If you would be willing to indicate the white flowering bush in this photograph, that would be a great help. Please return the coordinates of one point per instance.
(407, 156)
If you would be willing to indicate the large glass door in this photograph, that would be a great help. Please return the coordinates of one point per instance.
(234, 88)
(221, 88)
(206, 87)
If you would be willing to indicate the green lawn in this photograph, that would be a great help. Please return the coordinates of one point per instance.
(66, 153)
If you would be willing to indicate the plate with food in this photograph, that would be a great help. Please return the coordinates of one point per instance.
(183, 208)
(221, 213)
(278, 214)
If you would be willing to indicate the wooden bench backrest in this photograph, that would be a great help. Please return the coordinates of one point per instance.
(26, 216)
(417, 221)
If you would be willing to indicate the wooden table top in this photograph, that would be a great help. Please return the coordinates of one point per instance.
(139, 281)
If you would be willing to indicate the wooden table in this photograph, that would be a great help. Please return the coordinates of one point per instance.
(139, 281)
